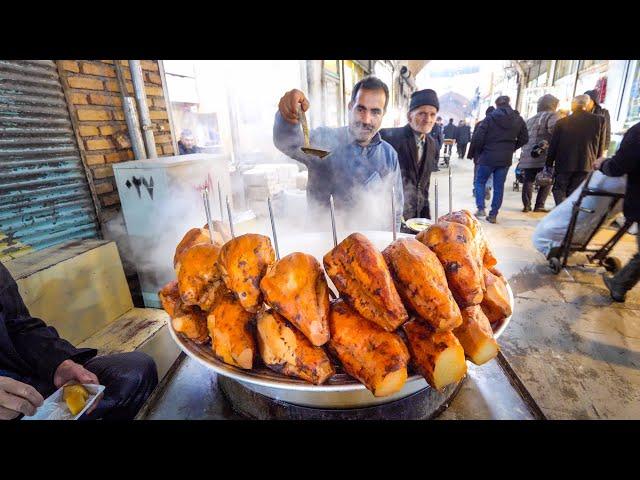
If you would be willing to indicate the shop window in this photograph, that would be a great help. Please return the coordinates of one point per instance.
(565, 68)
(633, 114)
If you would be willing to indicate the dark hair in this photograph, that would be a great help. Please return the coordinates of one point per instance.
(450, 120)
(438, 118)
(371, 83)
(489, 110)
(502, 101)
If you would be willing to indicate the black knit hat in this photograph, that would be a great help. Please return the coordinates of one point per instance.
(424, 97)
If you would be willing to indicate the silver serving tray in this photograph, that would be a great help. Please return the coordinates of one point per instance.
(341, 390)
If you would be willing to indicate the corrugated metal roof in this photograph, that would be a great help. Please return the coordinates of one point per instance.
(44, 195)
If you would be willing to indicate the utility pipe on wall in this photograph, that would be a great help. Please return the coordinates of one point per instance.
(141, 97)
(131, 116)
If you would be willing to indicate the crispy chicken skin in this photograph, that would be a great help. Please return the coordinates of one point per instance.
(198, 236)
(438, 356)
(422, 283)
(495, 303)
(243, 261)
(232, 332)
(198, 276)
(286, 350)
(187, 320)
(373, 356)
(453, 244)
(295, 287)
(464, 217)
(361, 275)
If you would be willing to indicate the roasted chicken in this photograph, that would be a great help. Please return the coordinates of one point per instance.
(231, 329)
(286, 350)
(438, 356)
(296, 288)
(453, 244)
(242, 263)
(495, 303)
(359, 272)
(464, 217)
(198, 276)
(475, 335)
(187, 320)
(198, 236)
(422, 283)
(375, 357)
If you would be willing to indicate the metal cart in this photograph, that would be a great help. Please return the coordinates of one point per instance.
(448, 142)
(558, 256)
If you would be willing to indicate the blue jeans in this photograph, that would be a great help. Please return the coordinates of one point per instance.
(499, 177)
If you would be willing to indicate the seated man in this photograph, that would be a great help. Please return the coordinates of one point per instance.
(35, 362)
(187, 143)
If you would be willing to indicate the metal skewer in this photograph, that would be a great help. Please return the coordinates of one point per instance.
(450, 189)
(207, 211)
(435, 201)
(333, 221)
(220, 201)
(393, 212)
(273, 229)
(233, 233)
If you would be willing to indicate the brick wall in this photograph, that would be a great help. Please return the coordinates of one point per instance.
(95, 103)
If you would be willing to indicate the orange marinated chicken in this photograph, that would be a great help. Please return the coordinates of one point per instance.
(197, 236)
(198, 276)
(286, 350)
(373, 356)
(296, 288)
(243, 261)
(189, 321)
(495, 303)
(360, 274)
(453, 244)
(422, 283)
(232, 332)
(465, 218)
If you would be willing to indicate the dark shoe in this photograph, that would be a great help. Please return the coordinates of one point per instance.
(615, 295)
(526, 209)
(492, 219)
(481, 213)
(541, 209)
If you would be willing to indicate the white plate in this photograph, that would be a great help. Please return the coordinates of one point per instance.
(55, 408)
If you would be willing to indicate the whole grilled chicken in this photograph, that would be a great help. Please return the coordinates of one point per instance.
(465, 218)
(296, 288)
(189, 321)
(198, 276)
(422, 283)
(242, 263)
(453, 244)
(361, 275)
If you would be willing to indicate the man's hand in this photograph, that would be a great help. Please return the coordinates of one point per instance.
(598, 163)
(289, 103)
(69, 371)
(16, 398)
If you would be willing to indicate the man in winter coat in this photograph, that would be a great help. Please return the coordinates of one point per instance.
(597, 109)
(473, 155)
(449, 133)
(501, 133)
(416, 152)
(626, 161)
(540, 128)
(463, 136)
(576, 143)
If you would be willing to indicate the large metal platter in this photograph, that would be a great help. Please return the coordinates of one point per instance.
(341, 390)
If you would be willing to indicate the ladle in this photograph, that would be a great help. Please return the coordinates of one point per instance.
(316, 152)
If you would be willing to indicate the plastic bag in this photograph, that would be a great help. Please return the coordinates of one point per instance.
(551, 230)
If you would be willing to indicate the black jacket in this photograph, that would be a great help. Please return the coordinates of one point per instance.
(604, 113)
(577, 141)
(415, 181)
(437, 135)
(500, 134)
(186, 151)
(449, 130)
(463, 134)
(627, 161)
(27, 346)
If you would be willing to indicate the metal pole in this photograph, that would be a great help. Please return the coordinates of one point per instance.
(393, 212)
(141, 97)
(220, 200)
(333, 221)
(450, 190)
(233, 233)
(130, 116)
(435, 201)
(273, 229)
(207, 211)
